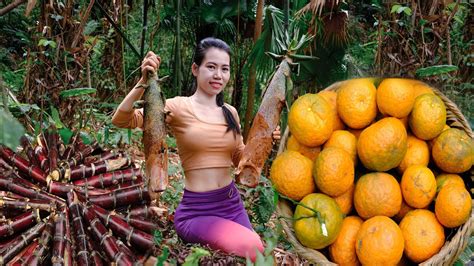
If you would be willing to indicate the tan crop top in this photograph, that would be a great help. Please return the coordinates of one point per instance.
(200, 144)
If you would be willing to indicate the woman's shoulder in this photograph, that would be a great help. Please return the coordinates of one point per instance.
(232, 109)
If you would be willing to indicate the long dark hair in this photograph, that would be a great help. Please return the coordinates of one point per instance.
(203, 46)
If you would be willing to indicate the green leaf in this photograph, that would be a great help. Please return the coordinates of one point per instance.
(10, 130)
(435, 70)
(90, 27)
(65, 134)
(395, 8)
(57, 120)
(86, 138)
(196, 254)
(77, 92)
(163, 257)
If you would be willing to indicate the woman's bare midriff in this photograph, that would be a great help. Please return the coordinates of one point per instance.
(207, 179)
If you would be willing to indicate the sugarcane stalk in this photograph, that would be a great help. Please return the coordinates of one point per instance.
(107, 241)
(84, 171)
(145, 226)
(127, 185)
(122, 229)
(21, 257)
(4, 164)
(68, 249)
(259, 144)
(146, 212)
(80, 237)
(59, 240)
(41, 158)
(95, 256)
(121, 197)
(30, 153)
(53, 154)
(14, 246)
(9, 203)
(40, 254)
(23, 165)
(79, 155)
(103, 156)
(111, 178)
(20, 223)
(11, 195)
(24, 188)
(41, 140)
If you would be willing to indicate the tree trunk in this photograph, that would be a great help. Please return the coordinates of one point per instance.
(252, 76)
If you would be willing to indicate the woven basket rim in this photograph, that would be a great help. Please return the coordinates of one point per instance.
(451, 249)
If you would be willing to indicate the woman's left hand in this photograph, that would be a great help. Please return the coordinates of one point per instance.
(276, 135)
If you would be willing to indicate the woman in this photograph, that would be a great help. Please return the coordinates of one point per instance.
(209, 141)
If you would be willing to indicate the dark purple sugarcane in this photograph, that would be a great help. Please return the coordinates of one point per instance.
(121, 197)
(84, 171)
(4, 164)
(68, 249)
(95, 256)
(59, 240)
(30, 153)
(45, 205)
(20, 223)
(18, 243)
(80, 237)
(103, 156)
(11, 195)
(41, 252)
(111, 178)
(41, 158)
(21, 257)
(52, 139)
(25, 188)
(23, 165)
(122, 229)
(107, 241)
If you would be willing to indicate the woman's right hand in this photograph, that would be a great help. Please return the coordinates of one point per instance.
(151, 63)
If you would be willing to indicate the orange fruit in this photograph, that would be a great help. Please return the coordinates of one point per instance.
(453, 151)
(379, 242)
(395, 97)
(428, 117)
(418, 186)
(418, 153)
(342, 251)
(403, 211)
(420, 88)
(377, 194)
(311, 231)
(345, 140)
(453, 206)
(311, 120)
(448, 179)
(331, 98)
(382, 145)
(333, 171)
(291, 175)
(310, 152)
(356, 102)
(345, 200)
(423, 234)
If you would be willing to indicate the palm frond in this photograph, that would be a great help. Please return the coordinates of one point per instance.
(316, 7)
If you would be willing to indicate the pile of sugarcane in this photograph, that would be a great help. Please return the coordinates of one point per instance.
(72, 204)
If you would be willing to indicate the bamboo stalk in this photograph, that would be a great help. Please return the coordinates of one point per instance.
(266, 120)
(121, 228)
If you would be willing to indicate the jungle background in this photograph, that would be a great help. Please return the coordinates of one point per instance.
(70, 63)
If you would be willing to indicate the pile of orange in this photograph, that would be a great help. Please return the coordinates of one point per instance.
(375, 170)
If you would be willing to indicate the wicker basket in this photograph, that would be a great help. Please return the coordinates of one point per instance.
(451, 249)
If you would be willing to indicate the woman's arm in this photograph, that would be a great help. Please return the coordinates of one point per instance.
(125, 116)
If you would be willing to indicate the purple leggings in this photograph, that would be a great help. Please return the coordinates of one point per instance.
(217, 218)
